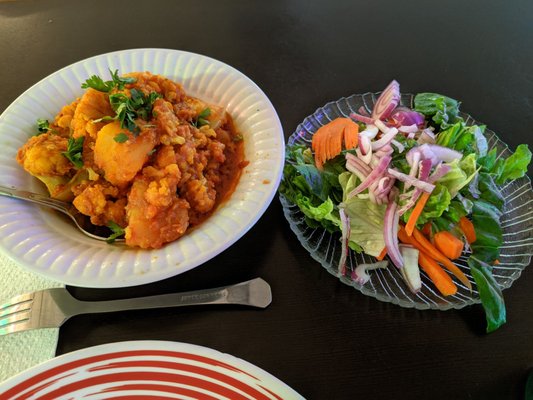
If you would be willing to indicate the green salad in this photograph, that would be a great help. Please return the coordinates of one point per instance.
(416, 187)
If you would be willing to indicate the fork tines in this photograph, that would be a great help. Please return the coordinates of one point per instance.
(15, 312)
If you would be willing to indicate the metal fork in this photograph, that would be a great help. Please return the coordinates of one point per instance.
(50, 308)
(81, 221)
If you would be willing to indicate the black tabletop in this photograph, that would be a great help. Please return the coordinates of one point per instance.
(321, 337)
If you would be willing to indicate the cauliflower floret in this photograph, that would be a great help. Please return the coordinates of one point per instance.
(156, 215)
(92, 106)
(42, 156)
(102, 203)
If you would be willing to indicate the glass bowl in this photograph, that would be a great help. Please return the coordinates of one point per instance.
(387, 284)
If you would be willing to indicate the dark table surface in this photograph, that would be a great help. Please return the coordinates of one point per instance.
(324, 339)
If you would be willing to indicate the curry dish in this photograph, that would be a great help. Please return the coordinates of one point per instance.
(139, 155)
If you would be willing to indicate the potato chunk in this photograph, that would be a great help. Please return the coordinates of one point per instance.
(122, 161)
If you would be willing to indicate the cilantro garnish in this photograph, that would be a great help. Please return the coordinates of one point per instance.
(201, 120)
(117, 230)
(127, 109)
(97, 83)
(121, 137)
(43, 125)
(74, 149)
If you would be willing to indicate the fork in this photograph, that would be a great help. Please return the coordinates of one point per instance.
(81, 221)
(50, 308)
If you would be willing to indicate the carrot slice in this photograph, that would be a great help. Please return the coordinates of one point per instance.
(468, 229)
(426, 229)
(328, 139)
(438, 276)
(435, 254)
(411, 222)
(448, 244)
(351, 135)
(382, 254)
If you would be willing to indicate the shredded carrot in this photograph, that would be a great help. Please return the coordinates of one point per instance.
(438, 276)
(328, 139)
(435, 254)
(448, 244)
(382, 254)
(496, 262)
(417, 210)
(468, 229)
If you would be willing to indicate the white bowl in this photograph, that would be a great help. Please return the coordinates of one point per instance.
(47, 244)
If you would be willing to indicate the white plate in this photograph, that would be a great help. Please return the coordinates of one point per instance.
(147, 370)
(49, 245)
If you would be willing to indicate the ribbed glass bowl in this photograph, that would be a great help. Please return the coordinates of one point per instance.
(387, 284)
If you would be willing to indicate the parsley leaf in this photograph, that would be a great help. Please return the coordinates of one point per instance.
(43, 125)
(121, 82)
(97, 83)
(117, 231)
(121, 137)
(127, 109)
(201, 120)
(74, 149)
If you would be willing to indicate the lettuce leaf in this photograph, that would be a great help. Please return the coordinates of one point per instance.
(461, 173)
(325, 213)
(310, 189)
(366, 218)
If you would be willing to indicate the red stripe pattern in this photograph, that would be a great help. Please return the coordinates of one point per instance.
(147, 374)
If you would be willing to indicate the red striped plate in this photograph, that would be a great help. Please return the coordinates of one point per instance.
(146, 370)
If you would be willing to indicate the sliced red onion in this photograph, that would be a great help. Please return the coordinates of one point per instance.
(360, 164)
(382, 126)
(390, 233)
(424, 170)
(375, 174)
(374, 161)
(362, 118)
(360, 274)
(386, 150)
(403, 116)
(345, 229)
(362, 110)
(414, 168)
(427, 136)
(366, 158)
(433, 152)
(370, 131)
(408, 128)
(387, 101)
(365, 144)
(385, 139)
(439, 172)
(423, 175)
(425, 186)
(444, 153)
(355, 169)
(398, 145)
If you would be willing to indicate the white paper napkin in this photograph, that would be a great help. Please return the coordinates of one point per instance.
(22, 350)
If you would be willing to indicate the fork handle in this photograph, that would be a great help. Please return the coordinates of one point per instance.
(255, 293)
